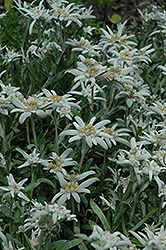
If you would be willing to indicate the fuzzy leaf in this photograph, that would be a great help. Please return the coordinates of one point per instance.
(100, 214)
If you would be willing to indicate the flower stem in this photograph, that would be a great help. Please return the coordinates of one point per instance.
(104, 167)
(73, 211)
(4, 133)
(82, 156)
(27, 128)
(33, 130)
(56, 132)
(92, 98)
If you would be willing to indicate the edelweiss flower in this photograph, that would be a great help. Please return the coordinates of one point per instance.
(110, 38)
(151, 168)
(35, 13)
(152, 136)
(32, 159)
(47, 216)
(88, 30)
(135, 155)
(15, 188)
(69, 13)
(135, 93)
(88, 71)
(106, 240)
(9, 90)
(58, 162)
(152, 240)
(88, 92)
(7, 245)
(116, 135)
(10, 55)
(55, 101)
(160, 155)
(158, 107)
(5, 105)
(32, 105)
(84, 46)
(93, 134)
(73, 188)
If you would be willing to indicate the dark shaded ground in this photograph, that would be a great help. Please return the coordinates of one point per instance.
(127, 9)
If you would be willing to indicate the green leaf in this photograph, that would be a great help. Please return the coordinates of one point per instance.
(82, 236)
(70, 244)
(45, 180)
(100, 214)
(56, 244)
(5, 211)
(31, 186)
(140, 223)
(8, 4)
(115, 18)
(82, 246)
(28, 241)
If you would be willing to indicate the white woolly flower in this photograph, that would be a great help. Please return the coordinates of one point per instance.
(72, 188)
(84, 46)
(116, 135)
(15, 188)
(88, 70)
(151, 168)
(7, 244)
(55, 101)
(89, 92)
(9, 90)
(152, 239)
(47, 215)
(32, 105)
(35, 13)
(106, 240)
(135, 155)
(31, 159)
(88, 30)
(10, 55)
(110, 38)
(93, 134)
(57, 163)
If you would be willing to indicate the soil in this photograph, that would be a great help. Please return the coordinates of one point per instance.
(127, 9)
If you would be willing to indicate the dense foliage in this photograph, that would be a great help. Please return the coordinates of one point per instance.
(82, 129)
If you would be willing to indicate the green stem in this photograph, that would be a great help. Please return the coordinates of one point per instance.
(33, 130)
(59, 58)
(27, 128)
(73, 211)
(104, 167)
(133, 208)
(32, 180)
(111, 99)
(82, 156)
(56, 132)
(92, 98)
(4, 133)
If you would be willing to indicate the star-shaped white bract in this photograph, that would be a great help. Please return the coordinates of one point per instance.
(93, 134)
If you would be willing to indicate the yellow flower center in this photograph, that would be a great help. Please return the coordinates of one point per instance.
(56, 98)
(88, 130)
(126, 55)
(31, 105)
(110, 131)
(134, 150)
(92, 71)
(71, 187)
